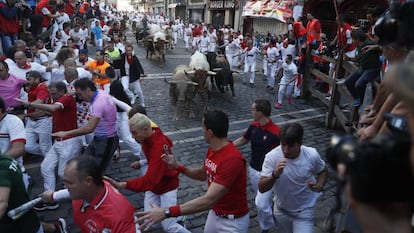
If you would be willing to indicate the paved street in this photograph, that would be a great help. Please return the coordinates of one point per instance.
(189, 146)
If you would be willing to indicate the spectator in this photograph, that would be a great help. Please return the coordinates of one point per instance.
(102, 122)
(263, 136)
(343, 38)
(9, 27)
(296, 173)
(224, 169)
(368, 70)
(46, 8)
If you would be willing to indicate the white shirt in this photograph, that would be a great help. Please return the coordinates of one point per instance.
(232, 48)
(289, 71)
(251, 55)
(272, 54)
(290, 49)
(21, 73)
(204, 42)
(291, 190)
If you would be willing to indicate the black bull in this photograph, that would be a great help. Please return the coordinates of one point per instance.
(224, 76)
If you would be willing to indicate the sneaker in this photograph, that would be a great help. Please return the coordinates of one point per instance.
(289, 99)
(60, 226)
(46, 206)
(251, 85)
(356, 103)
(278, 105)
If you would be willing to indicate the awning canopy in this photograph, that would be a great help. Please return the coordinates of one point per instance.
(172, 5)
(279, 10)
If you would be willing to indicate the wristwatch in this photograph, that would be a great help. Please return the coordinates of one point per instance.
(167, 213)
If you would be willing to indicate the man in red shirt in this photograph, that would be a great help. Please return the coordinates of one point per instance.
(343, 38)
(63, 118)
(159, 183)
(96, 205)
(224, 169)
(38, 123)
(45, 8)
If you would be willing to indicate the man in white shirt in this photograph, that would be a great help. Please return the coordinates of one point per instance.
(204, 43)
(232, 49)
(287, 82)
(272, 62)
(296, 173)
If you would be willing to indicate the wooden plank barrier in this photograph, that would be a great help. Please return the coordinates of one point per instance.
(339, 114)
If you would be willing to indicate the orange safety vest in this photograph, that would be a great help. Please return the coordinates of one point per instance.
(313, 29)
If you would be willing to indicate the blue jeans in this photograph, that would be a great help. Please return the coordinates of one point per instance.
(7, 41)
(357, 81)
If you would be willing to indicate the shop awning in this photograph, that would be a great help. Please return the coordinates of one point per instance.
(172, 5)
(279, 10)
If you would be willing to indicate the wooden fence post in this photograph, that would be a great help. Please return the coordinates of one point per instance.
(307, 76)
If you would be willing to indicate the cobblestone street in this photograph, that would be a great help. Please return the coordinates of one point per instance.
(189, 145)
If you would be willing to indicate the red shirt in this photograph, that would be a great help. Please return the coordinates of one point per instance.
(38, 92)
(342, 40)
(227, 167)
(298, 29)
(109, 210)
(65, 119)
(313, 29)
(45, 19)
(69, 8)
(158, 179)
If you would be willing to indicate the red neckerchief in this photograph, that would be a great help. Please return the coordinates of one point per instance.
(129, 59)
(84, 61)
(99, 63)
(26, 66)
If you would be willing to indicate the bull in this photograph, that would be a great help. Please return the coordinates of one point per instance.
(224, 76)
(182, 89)
(154, 44)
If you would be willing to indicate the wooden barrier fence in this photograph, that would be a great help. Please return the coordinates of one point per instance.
(338, 115)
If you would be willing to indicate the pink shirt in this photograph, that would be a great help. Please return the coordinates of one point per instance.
(10, 89)
(104, 108)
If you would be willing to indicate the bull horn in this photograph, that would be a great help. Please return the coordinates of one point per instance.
(211, 73)
(217, 69)
(189, 72)
(192, 83)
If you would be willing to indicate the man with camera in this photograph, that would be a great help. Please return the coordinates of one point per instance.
(297, 174)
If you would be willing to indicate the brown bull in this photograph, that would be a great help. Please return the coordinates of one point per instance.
(182, 89)
(155, 47)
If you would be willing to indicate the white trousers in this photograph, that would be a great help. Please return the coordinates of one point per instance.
(125, 135)
(175, 37)
(59, 154)
(232, 60)
(187, 41)
(263, 202)
(284, 90)
(38, 139)
(132, 89)
(165, 200)
(216, 224)
(99, 43)
(265, 66)
(271, 71)
(295, 222)
(252, 68)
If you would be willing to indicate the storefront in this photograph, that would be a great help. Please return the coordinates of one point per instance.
(221, 12)
(266, 16)
(196, 11)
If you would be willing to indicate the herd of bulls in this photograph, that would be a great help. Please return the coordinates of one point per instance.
(192, 79)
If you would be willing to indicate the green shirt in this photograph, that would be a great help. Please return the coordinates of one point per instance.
(11, 176)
